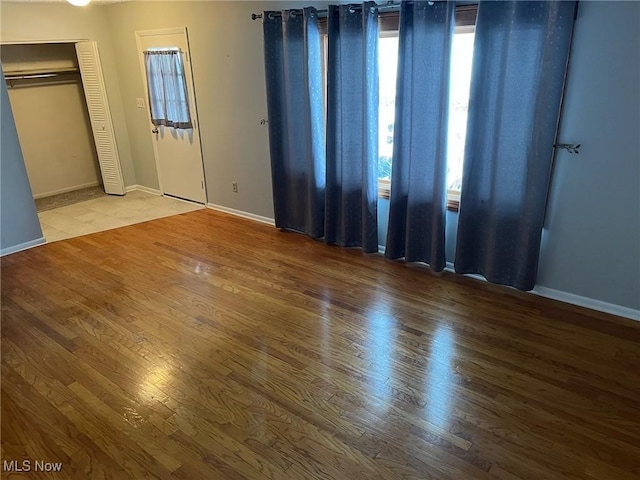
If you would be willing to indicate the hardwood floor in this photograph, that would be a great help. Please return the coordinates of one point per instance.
(204, 346)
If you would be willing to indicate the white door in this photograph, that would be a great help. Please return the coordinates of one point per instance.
(100, 117)
(177, 151)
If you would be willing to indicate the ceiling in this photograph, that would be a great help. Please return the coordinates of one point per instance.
(63, 1)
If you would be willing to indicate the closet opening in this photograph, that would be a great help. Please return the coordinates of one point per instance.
(48, 103)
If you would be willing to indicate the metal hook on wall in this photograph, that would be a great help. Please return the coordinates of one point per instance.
(569, 147)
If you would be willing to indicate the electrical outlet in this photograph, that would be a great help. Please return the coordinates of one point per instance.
(234, 187)
(140, 102)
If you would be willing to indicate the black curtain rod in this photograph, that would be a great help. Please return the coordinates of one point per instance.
(389, 6)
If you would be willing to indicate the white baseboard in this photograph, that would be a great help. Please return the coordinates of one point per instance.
(243, 214)
(587, 302)
(571, 298)
(22, 246)
(142, 188)
(66, 190)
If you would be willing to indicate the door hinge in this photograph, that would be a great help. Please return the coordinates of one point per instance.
(202, 184)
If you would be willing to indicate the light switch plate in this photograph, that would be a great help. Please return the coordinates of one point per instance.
(140, 102)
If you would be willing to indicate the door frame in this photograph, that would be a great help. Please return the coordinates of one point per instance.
(192, 100)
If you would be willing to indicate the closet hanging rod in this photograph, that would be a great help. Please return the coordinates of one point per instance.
(34, 75)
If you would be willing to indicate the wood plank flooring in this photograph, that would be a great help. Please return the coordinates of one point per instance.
(203, 346)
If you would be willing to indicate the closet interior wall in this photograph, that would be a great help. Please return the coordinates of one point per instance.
(51, 117)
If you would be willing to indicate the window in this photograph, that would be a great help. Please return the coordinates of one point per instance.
(460, 83)
(460, 79)
(167, 88)
(387, 66)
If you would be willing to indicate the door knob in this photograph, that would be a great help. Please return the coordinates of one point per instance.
(155, 130)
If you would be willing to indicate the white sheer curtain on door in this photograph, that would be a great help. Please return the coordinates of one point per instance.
(167, 86)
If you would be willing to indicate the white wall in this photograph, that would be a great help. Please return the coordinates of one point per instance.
(19, 225)
(55, 136)
(59, 22)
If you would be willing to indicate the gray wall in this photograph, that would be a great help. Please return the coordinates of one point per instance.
(592, 236)
(18, 219)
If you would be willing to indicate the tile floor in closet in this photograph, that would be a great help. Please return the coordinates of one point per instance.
(109, 212)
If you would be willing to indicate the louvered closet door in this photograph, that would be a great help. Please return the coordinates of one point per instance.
(100, 116)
